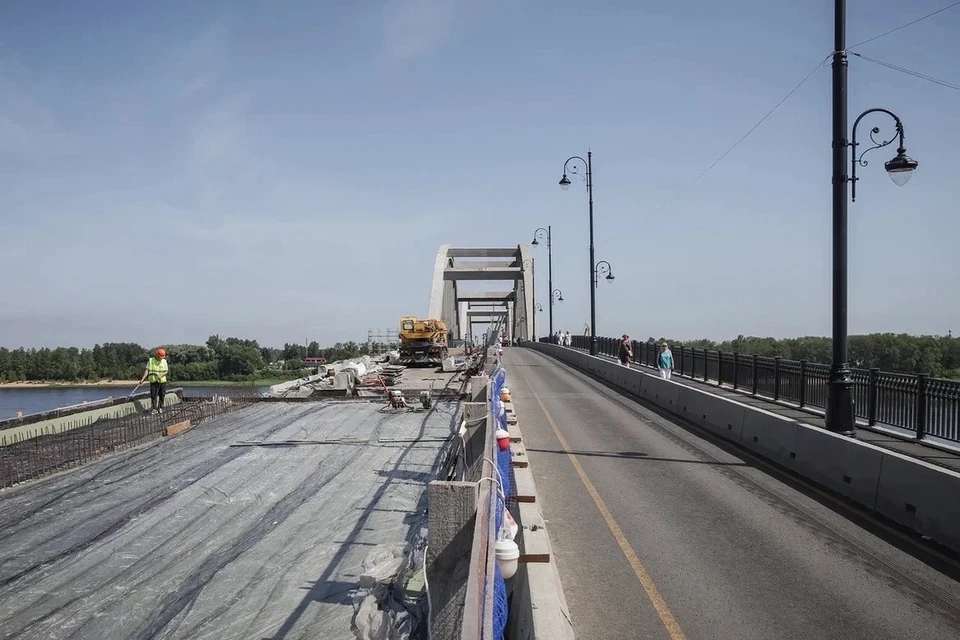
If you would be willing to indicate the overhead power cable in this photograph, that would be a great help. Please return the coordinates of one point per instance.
(904, 26)
(786, 97)
(722, 156)
(915, 74)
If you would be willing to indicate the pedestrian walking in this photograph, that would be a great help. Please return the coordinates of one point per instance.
(665, 361)
(567, 339)
(626, 351)
(156, 372)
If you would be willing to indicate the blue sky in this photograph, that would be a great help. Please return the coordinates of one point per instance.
(287, 170)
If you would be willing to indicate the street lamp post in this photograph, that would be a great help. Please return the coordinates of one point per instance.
(540, 233)
(574, 169)
(840, 414)
(533, 284)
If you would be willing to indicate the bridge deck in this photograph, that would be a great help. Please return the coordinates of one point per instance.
(659, 532)
(195, 537)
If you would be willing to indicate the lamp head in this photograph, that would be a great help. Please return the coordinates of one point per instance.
(564, 182)
(901, 168)
(609, 277)
(534, 243)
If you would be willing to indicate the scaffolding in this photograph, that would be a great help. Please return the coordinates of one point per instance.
(379, 341)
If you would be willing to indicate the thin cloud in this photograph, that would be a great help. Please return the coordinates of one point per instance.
(416, 28)
(27, 128)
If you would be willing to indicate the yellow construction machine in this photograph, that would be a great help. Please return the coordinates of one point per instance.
(422, 342)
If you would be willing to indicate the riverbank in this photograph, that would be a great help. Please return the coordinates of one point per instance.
(130, 384)
(31, 384)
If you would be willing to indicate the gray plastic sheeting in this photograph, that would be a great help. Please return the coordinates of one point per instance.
(194, 538)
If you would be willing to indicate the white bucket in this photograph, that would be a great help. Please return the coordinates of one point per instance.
(508, 557)
(511, 524)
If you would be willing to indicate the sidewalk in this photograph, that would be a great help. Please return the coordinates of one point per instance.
(926, 452)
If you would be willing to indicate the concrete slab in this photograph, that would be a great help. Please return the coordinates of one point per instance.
(524, 488)
(838, 463)
(718, 415)
(769, 435)
(659, 392)
(922, 497)
(532, 538)
(518, 455)
(193, 537)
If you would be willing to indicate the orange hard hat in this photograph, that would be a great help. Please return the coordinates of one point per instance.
(161, 353)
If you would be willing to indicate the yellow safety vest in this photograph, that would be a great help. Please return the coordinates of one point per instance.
(157, 370)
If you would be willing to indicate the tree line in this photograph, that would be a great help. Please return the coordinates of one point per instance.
(235, 359)
(228, 359)
(938, 356)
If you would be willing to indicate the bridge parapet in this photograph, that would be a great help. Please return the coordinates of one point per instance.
(923, 407)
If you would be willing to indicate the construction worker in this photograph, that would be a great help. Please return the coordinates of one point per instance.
(157, 371)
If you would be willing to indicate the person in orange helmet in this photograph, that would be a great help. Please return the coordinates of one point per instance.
(157, 371)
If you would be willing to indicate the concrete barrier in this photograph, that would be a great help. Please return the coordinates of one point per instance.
(921, 496)
(906, 490)
(100, 411)
(769, 435)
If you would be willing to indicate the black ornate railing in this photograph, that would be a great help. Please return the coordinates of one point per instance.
(918, 403)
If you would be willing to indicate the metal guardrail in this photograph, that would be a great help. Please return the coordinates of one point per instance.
(920, 404)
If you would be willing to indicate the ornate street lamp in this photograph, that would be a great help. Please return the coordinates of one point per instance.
(574, 169)
(840, 413)
(540, 234)
(603, 268)
(900, 168)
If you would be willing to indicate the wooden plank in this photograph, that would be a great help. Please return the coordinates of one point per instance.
(524, 489)
(478, 601)
(177, 429)
(534, 542)
(515, 435)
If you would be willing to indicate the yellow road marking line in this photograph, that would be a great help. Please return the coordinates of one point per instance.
(673, 628)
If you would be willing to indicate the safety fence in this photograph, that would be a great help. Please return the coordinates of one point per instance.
(504, 477)
(921, 404)
(485, 611)
(24, 457)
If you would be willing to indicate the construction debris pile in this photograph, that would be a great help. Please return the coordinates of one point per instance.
(389, 375)
(365, 377)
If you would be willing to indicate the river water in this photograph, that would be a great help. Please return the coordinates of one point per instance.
(46, 398)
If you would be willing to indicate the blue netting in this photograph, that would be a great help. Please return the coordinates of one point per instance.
(503, 464)
(500, 612)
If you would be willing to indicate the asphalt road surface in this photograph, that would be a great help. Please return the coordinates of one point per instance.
(659, 531)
